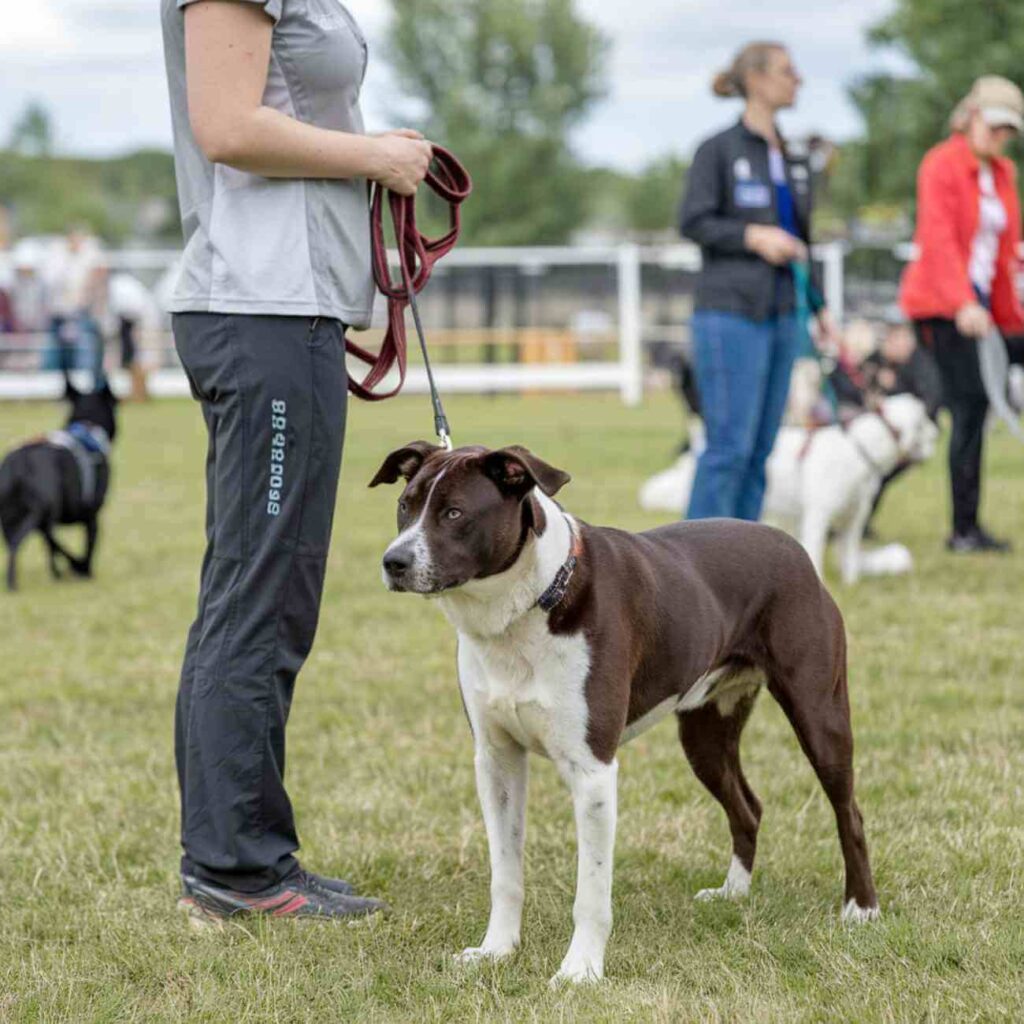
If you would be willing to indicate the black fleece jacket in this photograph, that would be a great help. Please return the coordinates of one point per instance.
(728, 186)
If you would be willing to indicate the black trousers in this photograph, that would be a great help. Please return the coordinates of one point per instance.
(126, 332)
(273, 391)
(964, 396)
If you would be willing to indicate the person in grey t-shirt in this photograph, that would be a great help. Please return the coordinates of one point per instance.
(273, 170)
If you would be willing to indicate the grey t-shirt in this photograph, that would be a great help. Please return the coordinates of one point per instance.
(277, 245)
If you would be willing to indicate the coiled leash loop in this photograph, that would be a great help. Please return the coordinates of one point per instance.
(417, 254)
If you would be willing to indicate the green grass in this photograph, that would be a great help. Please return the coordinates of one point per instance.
(380, 770)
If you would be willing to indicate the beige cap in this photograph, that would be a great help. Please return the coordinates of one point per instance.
(999, 101)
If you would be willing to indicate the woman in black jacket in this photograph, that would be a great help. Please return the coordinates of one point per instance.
(748, 206)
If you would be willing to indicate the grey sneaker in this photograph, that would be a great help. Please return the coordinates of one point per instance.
(338, 885)
(301, 895)
(977, 540)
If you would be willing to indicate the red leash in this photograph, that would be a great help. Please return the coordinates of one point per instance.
(417, 255)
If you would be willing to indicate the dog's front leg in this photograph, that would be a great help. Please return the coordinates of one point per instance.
(594, 798)
(850, 541)
(501, 778)
(814, 536)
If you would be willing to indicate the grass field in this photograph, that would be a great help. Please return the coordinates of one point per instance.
(380, 770)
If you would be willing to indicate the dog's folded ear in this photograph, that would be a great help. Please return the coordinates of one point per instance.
(516, 470)
(404, 462)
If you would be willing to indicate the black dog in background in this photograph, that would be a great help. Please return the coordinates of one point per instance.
(60, 478)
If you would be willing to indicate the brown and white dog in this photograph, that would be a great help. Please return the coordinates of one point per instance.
(572, 639)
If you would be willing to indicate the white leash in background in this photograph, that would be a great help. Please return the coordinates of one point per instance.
(995, 375)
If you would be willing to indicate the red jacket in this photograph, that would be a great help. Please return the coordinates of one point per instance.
(937, 284)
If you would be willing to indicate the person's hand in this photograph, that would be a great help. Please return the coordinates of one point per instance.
(402, 133)
(886, 378)
(774, 245)
(973, 321)
(403, 157)
(829, 338)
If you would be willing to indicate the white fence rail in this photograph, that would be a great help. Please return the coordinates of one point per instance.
(629, 330)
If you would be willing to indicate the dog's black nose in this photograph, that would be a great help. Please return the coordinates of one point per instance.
(396, 562)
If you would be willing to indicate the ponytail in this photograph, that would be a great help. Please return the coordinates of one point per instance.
(725, 85)
(753, 57)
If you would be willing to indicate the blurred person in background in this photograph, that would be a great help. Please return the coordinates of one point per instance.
(29, 294)
(858, 344)
(132, 312)
(8, 277)
(73, 280)
(900, 366)
(272, 168)
(963, 279)
(748, 205)
(868, 369)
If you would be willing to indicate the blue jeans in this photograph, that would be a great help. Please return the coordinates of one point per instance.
(75, 343)
(743, 369)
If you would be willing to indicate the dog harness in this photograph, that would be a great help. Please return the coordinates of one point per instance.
(89, 446)
(813, 428)
(894, 433)
(563, 577)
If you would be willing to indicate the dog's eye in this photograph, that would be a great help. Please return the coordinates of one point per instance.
(453, 513)
(403, 507)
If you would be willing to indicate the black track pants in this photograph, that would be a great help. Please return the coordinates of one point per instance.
(273, 394)
(964, 395)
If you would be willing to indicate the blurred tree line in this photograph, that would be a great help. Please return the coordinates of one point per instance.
(504, 83)
(119, 198)
(951, 43)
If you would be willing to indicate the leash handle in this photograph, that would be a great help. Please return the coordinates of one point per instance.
(417, 254)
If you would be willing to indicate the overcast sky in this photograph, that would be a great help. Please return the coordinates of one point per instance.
(98, 66)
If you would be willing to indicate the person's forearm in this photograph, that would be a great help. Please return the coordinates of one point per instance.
(725, 235)
(272, 144)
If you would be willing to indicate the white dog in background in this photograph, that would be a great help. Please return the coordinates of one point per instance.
(825, 480)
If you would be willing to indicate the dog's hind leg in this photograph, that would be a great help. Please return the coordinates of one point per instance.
(14, 541)
(711, 741)
(55, 549)
(83, 566)
(814, 696)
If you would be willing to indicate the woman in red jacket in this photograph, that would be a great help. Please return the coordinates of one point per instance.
(963, 279)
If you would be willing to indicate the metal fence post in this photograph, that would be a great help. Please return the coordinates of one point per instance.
(631, 387)
(832, 259)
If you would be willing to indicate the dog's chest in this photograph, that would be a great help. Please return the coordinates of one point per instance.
(529, 684)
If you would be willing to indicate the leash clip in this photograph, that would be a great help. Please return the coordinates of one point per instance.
(446, 440)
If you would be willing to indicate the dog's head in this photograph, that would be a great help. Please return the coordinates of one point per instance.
(97, 407)
(916, 433)
(463, 515)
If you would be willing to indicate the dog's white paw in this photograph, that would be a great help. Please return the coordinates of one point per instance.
(854, 914)
(577, 971)
(735, 886)
(477, 954)
(723, 892)
(890, 560)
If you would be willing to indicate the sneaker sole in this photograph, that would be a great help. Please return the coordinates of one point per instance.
(200, 919)
(203, 920)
